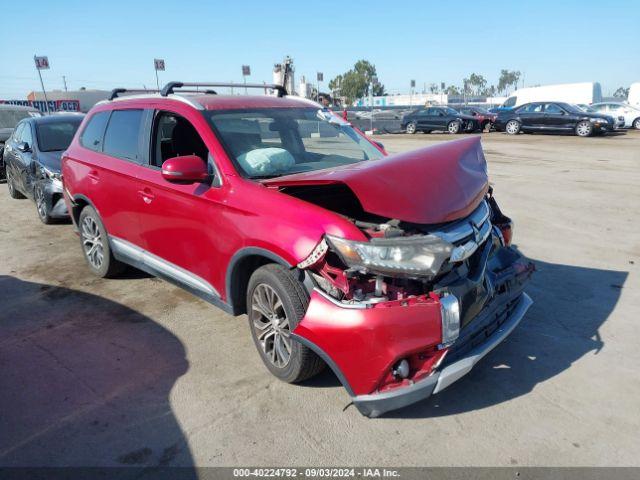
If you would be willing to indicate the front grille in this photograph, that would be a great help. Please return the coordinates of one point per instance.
(481, 329)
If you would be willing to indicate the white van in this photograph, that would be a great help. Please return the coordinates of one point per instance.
(634, 95)
(576, 93)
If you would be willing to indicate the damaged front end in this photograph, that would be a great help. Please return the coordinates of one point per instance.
(407, 312)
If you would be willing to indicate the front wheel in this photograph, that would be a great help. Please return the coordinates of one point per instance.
(584, 129)
(411, 128)
(42, 207)
(512, 127)
(636, 123)
(454, 127)
(276, 302)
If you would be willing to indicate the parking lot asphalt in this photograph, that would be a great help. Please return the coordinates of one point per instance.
(135, 371)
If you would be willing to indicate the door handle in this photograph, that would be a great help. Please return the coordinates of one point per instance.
(146, 195)
(93, 175)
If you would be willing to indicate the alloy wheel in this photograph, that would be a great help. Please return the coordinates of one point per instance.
(453, 127)
(10, 184)
(271, 325)
(92, 242)
(411, 128)
(41, 203)
(583, 129)
(636, 124)
(512, 127)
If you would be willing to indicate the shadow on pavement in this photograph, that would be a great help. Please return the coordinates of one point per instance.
(85, 382)
(570, 305)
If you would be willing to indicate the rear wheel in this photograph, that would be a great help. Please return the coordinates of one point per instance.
(13, 191)
(636, 123)
(454, 127)
(276, 302)
(411, 128)
(584, 128)
(512, 127)
(95, 245)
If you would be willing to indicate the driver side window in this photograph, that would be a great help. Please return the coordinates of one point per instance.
(26, 136)
(175, 136)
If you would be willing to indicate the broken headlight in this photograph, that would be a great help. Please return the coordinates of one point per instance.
(419, 255)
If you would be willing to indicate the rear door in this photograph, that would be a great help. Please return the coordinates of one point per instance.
(532, 116)
(106, 172)
(24, 160)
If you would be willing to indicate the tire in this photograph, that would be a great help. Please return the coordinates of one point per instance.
(42, 206)
(454, 127)
(411, 128)
(276, 302)
(95, 245)
(486, 126)
(512, 127)
(584, 129)
(636, 123)
(13, 191)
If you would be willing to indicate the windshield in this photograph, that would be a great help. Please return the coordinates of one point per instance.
(451, 111)
(270, 142)
(571, 108)
(53, 136)
(10, 118)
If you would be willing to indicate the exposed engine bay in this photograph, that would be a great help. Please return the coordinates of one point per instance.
(401, 259)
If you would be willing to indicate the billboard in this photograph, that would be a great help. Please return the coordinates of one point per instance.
(54, 105)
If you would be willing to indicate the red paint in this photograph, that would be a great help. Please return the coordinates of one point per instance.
(189, 168)
(431, 185)
(365, 343)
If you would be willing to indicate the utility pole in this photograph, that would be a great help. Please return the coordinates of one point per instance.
(64, 80)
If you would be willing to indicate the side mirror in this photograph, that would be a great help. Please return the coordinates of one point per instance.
(23, 147)
(186, 169)
(379, 144)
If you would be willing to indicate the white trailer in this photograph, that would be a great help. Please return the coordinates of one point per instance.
(576, 93)
(634, 95)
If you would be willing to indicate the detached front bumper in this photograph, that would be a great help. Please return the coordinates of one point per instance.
(377, 404)
(363, 344)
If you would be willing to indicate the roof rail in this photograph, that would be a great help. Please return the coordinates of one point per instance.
(171, 86)
(115, 93)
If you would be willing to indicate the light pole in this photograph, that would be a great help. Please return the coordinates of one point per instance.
(246, 71)
(42, 63)
(159, 65)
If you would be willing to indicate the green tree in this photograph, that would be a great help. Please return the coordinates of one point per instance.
(452, 90)
(508, 79)
(477, 83)
(621, 92)
(355, 83)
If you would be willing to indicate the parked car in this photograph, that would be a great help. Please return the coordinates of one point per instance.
(629, 115)
(438, 118)
(553, 117)
(10, 115)
(32, 156)
(396, 271)
(484, 118)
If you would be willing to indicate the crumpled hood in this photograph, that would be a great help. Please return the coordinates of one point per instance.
(431, 185)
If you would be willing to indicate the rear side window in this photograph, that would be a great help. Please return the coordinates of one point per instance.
(122, 138)
(93, 133)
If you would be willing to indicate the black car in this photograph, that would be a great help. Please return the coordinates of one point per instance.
(438, 118)
(32, 158)
(553, 117)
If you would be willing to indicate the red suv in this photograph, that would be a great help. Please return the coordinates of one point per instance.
(395, 271)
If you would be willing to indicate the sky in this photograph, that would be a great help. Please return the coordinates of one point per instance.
(100, 44)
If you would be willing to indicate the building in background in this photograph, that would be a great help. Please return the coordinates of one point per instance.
(86, 98)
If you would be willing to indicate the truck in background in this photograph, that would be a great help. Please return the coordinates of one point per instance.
(634, 94)
(574, 93)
